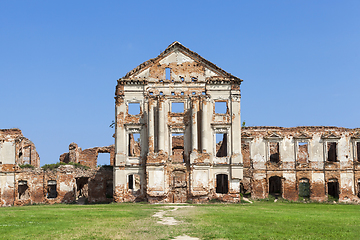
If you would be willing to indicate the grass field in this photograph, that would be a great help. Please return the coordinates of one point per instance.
(261, 220)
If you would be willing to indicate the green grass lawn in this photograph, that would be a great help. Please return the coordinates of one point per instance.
(261, 220)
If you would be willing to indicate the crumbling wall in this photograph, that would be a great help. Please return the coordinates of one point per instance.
(323, 157)
(15, 149)
(35, 186)
(87, 157)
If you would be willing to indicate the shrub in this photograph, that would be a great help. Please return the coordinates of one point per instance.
(53, 166)
(27, 166)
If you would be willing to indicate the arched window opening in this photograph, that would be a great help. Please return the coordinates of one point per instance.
(274, 152)
(82, 188)
(23, 189)
(304, 188)
(222, 183)
(51, 189)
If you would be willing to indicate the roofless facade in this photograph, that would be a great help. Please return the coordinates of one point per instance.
(178, 130)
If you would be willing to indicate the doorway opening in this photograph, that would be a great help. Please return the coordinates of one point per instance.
(275, 188)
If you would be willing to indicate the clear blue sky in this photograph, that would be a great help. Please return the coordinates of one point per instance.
(59, 61)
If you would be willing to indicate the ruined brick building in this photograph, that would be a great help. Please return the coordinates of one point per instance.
(19, 186)
(178, 138)
(175, 106)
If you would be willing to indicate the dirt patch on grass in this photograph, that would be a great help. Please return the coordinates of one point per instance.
(168, 220)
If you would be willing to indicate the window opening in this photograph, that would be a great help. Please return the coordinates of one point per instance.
(193, 93)
(51, 189)
(134, 182)
(26, 155)
(172, 93)
(274, 152)
(103, 159)
(220, 107)
(182, 93)
(134, 108)
(151, 93)
(331, 151)
(222, 183)
(221, 144)
(182, 79)
(203, 93)
(134, 145)
(82, 188)
(131, 182)
(275, 186)
(177, 142)
(304, 188)
(245, 151)
(358, 188)
(303, 152)
(193, 79)
(333, 188)
(161, 93)
(109, 188)
(358, 151)
(167, 73)
(23, 189)
(177, 107)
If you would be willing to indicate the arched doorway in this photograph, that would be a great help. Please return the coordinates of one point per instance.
(275, 187)
(333, 188)
(304, 188)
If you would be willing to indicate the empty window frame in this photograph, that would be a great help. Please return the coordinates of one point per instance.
(245, 151)
(302, 152)
(82, 187)
(331, 151)
(51, 189)
(333, 188)
(221, 144)
(134, 145)
(274, 154)
(358, 151)
(177, 142)
(134, 108)
(177, 107)
(134, 182)
(304, 188)
(222, 183)
(167, 73)
(220, 107)
(23, 190)
(131, 182)
(103, 159)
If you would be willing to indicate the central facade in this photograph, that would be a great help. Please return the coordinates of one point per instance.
(178, 128)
